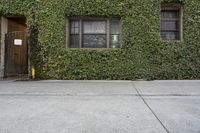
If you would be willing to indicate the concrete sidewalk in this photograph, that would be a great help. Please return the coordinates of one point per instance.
(100, 107)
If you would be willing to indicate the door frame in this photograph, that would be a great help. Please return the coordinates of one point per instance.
(4, 31)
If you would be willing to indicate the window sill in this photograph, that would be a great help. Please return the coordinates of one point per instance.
(100, 49)
(171, 41)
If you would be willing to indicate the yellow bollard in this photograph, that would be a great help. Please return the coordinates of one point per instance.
(33, 72)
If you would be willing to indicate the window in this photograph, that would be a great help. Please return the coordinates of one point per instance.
(171, 22)
(90, 32)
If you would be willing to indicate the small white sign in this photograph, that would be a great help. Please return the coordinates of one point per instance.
(17, 42)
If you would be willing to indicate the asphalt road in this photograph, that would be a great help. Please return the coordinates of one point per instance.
(100, 107)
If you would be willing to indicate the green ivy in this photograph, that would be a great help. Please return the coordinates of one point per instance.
(142, 55)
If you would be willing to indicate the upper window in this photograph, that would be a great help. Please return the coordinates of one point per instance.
(171, 22)
(94, 32)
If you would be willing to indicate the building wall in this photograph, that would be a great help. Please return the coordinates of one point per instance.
(143, 54)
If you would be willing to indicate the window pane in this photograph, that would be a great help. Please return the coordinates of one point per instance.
(170, 14)
(74, 31)
(74, 23)
(74, 41)
(115, 26)
(94, 27)
(114, 41)
(74, 27)
(169, 25)
(94, 41)
(170, 35)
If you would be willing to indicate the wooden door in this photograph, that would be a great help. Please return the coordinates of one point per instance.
(16, 61)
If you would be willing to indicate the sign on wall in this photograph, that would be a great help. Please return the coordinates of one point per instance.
(17, 42)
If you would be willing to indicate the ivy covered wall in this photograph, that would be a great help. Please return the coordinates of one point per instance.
(143, 54)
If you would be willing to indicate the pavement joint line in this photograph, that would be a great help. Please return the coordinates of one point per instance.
(67, 94)
(150, 108)
(167, 95)
(71, 95)
(75, 81)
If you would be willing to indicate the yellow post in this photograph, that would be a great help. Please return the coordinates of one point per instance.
(33, 72)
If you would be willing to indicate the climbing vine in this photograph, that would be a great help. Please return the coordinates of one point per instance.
(143, 55)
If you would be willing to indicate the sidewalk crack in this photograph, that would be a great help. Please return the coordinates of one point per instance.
(145, 102)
